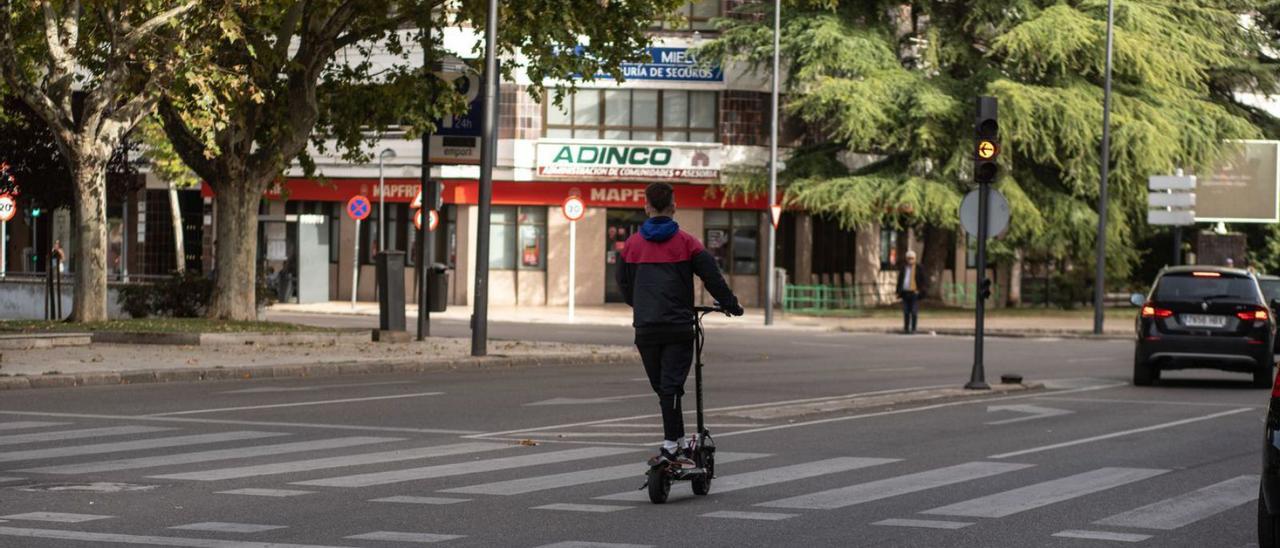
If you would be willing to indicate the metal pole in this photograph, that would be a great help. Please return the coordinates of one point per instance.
(573, 266)
(488, 151)
(1100, 276)
(124, 241)
(355, 266)
(977, 378)
(4, 248)
(426, 238)
(1177, 246)
(382, 208)
(770, 281)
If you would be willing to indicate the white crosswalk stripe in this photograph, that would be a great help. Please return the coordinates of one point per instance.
(136, 445)
(1182, 510)
(1043, 494)
(770, 476)
(61, 435)
(891, 487)
(209, 456)
(142, 540)
(458, 469)
(227, 527)
(335, 462)
(580, 477)
(55, 517)
(397, 536)
(20, 425)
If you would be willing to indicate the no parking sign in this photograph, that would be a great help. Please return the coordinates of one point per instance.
(358, 207)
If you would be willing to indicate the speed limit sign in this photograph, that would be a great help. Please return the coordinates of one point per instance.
(8, 207)
(574, 208)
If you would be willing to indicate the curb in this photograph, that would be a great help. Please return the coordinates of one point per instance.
(999, 333)
(248, 372)
(213, 339)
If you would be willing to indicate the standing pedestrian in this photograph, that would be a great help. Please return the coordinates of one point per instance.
(910, 287)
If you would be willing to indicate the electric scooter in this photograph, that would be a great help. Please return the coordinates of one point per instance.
(659, 478)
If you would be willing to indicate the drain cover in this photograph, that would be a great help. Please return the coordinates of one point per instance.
(96, 487)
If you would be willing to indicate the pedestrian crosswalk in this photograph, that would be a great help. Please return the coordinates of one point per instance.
(430, 474)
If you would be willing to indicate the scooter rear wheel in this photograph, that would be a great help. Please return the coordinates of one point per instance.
(659, 485)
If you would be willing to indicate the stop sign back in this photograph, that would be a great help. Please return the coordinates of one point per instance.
(8, 207)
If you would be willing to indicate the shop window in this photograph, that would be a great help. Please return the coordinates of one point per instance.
(634, 115)
(695, 15)
(518, 238)
(446, 239)
(398, 223)
(888, 248)
(733, 238)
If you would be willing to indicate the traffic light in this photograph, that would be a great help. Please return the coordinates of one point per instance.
(987, 141)
(35, 212)
(984, 288)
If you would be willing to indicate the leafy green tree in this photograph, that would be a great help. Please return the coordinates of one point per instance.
(894, 82)
(281, 79)
(91, 72)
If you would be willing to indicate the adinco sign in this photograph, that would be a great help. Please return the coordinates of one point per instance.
(628, 160)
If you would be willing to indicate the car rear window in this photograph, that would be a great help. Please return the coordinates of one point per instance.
(1186, 287)
(1270, 289)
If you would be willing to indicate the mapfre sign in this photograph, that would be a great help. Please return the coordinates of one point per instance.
(629, 160)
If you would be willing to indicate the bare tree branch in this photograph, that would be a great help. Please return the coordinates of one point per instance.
(135, 36)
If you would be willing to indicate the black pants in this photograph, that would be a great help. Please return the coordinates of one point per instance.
(910, 310)
(667, 365)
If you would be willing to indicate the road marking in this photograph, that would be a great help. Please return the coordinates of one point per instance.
(56, 517)
(522, 486)
(269, 390)
(585, 401)
(462, 468)
(1043, 494)
(1101, 535)
(822, 345)
(227, 527)
(396, 536)
(277, 493)
(63, 435)
(580, 544)
(1091, 360)
(421, 500)
(326, 463)
(209, 456)
(1034, 412)
(658, 428)
(771, 476)
(1118, 434)
(154, 443)
(590, 508)
(114, 538)
(924, 523)
(18, 425)
(1142, 402)
(296, 404)
(244, 423)
(7, 479)
(888, 369)
(1172, 513)
(891, 487)
(761, 516)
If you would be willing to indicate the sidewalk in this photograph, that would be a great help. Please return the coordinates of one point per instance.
(999, 323)
(129, 364)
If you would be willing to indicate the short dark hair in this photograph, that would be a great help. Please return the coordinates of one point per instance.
(659, 196)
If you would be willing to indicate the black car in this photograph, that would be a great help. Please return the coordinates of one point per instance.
(1269, 490)
(1204, 317)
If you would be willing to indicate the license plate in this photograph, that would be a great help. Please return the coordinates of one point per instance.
(1203, 320)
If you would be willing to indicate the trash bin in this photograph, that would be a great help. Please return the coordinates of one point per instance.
(438, 287)
(390, 278)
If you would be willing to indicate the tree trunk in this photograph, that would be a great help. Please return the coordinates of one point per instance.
(1015, 280)
(90, 293)
(179, 249)
(235, 252)
(934, 259)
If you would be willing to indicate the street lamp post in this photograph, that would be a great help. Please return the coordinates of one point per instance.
(382, 199)
(1099, 282)
(770, 280)
(488, 153)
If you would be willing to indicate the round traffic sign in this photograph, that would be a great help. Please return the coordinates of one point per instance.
(997, 213)
(573, 208)
(358, 207)
(987, 150)
(431, 224)
(8, 207)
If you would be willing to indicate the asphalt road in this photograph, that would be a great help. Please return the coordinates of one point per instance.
(403, 460)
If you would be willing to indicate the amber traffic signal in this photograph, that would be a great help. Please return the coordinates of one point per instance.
(987, 141)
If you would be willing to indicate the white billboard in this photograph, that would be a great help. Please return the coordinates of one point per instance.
(1244, 189)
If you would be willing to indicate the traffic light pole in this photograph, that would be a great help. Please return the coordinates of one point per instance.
(977, 378)
(488, 154)
(426, 238)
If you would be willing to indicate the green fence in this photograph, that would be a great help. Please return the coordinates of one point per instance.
(966, 294)
(817, 298)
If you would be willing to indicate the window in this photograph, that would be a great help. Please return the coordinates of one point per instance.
(695, 15)
(332, 210)
(635, 115)
(518, 238)
(733, 238)
(888, 248)
(398, 223)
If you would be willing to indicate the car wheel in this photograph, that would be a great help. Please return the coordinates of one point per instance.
(1144, 374)
(1268, 525)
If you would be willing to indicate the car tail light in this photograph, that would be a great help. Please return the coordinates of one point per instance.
(1251, 315)
(1275, 385)
(1206, 274)
(1154, 312)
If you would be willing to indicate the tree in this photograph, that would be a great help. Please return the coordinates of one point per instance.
(291, 83)
(91, 73)
(895, 82)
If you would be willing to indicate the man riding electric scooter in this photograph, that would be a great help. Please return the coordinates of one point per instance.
(655, 274)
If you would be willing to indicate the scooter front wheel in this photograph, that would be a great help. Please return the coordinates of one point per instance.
(659, 485)
(707, 452)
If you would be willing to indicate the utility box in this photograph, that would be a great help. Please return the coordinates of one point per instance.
(390, 278)
(438, 287)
